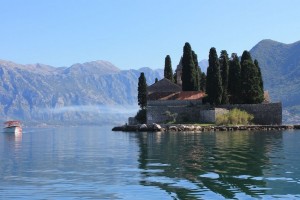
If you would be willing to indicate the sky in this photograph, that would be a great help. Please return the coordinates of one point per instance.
(139, 33)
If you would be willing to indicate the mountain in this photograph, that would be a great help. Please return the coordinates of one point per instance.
(82, 93)
(280, 66)
(203, 65)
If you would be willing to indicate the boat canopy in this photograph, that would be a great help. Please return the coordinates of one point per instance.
(12, 123)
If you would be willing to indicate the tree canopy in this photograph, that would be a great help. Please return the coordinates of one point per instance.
(142, 91)
(189, 73)
(168, 72)
(214, 88)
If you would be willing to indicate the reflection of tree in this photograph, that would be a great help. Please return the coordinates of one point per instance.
(234, 157)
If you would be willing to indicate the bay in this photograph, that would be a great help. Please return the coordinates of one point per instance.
(96, 163)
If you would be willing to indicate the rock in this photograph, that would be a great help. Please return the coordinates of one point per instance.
(143, 127)
(173, 128)
(156, 127)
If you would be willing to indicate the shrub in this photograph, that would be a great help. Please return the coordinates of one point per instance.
(172, 117)
(234, 116)
(141, 116)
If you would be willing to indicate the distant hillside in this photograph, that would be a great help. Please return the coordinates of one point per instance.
(280, 65)
(82, 93)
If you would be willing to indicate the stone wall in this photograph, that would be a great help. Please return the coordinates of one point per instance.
(185, 111)
(209, 116)
(264, 114)
(193, 111)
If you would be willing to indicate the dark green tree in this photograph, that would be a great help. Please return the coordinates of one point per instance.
(261, 82)
(175, 77)
(168, 72)
(189, 82)
(250, 88)
(224, 66)
(142, 91)
(156, 80)
(213, 80)
(203, 82)
(197, 71)
(234, 80)
(246, 56)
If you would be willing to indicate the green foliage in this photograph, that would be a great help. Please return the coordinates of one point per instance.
(214, 88)
(142, 91)
(189, 73)
(168, 72)
(224, 66)
(234, 117)
(246, 56)
(234, 80)
(260, 80)
(251, 91)
(156, 80)
(175, 77)
(203, 82)
(197, 72)
(172, 117)
(141, 116)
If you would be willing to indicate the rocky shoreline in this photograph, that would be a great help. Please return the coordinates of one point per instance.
(196, 128)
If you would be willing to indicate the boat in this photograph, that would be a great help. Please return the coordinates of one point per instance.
(12, 126)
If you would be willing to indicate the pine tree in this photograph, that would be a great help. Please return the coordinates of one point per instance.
(234, 80)
(224, 66)
(142, 91)
(168, 72)
(156, 80)
(189, 82)
(213, 80)
(261, 83)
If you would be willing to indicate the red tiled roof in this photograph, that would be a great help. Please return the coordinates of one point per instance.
(184, 95)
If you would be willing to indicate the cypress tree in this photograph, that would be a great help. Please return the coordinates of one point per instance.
(224, 66)
(250, 89)
(197, 72)
(168, 72)
(234, 80)
(246, 56)
(261, 83)
(142, 91)
(188, 69)
(175, 77)
(203, 82)
(213, 80)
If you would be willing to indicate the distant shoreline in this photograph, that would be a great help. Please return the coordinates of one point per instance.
(198, 128)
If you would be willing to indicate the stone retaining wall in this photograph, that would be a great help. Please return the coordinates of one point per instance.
(264, 114)
(189, 111)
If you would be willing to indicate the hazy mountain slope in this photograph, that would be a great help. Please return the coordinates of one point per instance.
(280, 65)
(78, 93)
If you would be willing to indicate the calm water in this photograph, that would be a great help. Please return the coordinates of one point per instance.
(96, 163)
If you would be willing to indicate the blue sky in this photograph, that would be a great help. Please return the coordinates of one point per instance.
(138, 33)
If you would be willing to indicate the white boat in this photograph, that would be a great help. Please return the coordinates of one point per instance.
(12, 127)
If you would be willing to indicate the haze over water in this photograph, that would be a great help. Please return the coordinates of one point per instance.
(96, 163)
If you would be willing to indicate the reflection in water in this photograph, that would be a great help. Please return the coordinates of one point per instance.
(207, 165)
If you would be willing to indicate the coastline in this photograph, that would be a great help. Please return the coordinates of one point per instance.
(198, 128)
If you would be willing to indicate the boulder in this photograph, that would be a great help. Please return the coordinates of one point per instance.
(156, 127)
(143, 127)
